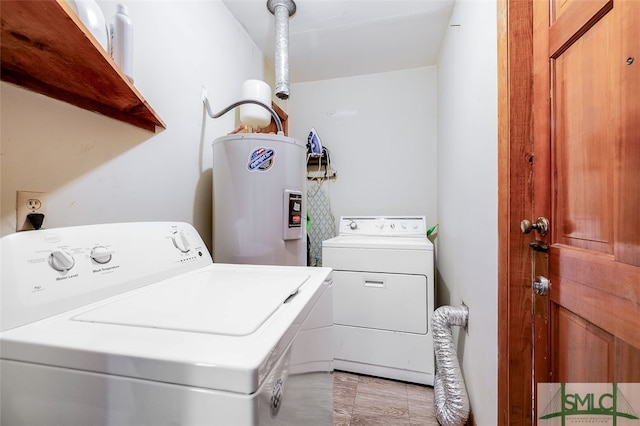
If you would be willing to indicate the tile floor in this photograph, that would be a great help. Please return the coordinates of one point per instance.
(372, 401)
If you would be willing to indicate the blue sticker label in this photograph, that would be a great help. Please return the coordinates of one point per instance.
(261, 159)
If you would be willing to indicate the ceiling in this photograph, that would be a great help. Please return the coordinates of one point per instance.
(340, 38)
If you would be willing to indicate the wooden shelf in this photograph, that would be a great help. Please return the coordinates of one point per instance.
(284, 118)
(44, 47)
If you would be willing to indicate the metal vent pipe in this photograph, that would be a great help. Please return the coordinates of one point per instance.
(282, 10)
(207, 105)
(450, 394)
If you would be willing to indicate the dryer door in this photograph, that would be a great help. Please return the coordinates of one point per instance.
(394, 302)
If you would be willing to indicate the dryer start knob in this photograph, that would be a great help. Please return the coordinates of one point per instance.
(61, 260)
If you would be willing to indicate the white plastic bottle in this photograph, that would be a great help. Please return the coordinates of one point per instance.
(122, 41)
(252, 114)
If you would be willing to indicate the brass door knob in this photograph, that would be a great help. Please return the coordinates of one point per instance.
(541, 226)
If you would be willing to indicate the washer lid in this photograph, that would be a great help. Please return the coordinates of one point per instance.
(231, 303)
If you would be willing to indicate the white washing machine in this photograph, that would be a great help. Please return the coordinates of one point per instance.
(383, 297)
(132, 324)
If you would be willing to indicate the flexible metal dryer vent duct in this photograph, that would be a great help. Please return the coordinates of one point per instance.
(450, 394)
(282, 10)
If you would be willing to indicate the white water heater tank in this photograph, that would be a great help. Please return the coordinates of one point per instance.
(259, 203)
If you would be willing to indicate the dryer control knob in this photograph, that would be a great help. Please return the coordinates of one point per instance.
(180, 241)
(353, 225)
(61, 260)
(100, 254)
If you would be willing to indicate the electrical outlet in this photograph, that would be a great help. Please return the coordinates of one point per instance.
(29, 202)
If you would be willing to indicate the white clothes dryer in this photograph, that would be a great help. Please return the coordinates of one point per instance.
(132, 324)
(383, 297)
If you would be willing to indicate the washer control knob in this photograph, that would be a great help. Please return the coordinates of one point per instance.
(353, 225)
(180, 241)
(61, 260)
(100, 254)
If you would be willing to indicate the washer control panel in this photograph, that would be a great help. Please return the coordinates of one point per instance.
(390, 226)
(50, 271)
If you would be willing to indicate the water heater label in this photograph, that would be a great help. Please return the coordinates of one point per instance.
(261, 159)
(292, 208)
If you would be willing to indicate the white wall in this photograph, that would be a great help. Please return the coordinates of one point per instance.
(381, 130)
(98, 170)
(424, 141)
(467, 193)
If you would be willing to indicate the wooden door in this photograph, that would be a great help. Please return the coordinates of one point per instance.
(586, 126)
